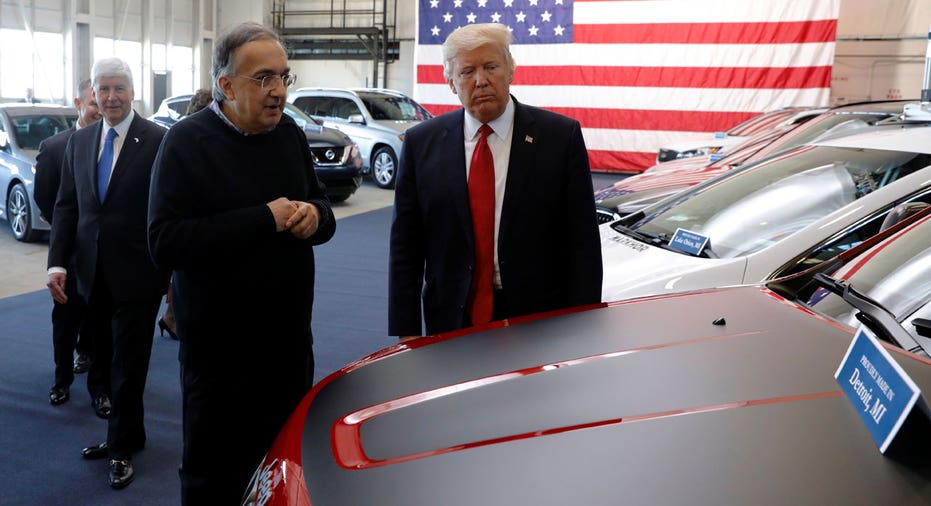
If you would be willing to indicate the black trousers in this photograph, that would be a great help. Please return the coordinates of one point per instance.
(69, 334)
(250, 400)
(124, 331)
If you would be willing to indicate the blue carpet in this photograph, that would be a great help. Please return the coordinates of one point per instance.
(40, 462)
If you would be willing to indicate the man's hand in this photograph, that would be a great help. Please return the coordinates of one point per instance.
(305, 220)
(282, 209)
(56, 286)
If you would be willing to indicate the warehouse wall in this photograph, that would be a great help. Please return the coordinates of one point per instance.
(162, 40)
(880, 51)
(881, 48)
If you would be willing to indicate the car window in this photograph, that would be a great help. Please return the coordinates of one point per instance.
(4, 139)
(818, 126)
(179, 107)
(30, 131)
(736, 214)
(395, 108)
(314, 106)
(344, 107)
(897, 274)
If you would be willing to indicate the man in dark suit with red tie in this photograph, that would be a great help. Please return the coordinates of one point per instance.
(100, 221)
(494, 216)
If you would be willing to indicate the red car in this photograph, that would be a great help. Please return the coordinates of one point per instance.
(724, 396)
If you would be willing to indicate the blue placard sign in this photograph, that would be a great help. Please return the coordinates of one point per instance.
(879, 389)
(687, 241)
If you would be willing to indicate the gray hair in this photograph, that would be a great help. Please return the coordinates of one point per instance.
(236, 37)
(111, 67)
(469, 37)
(82, 88)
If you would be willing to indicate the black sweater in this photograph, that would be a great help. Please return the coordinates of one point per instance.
(239, 287)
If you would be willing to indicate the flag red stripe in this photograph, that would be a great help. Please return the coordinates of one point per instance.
(786, 32)
(658, 77)
(619, 161)
(639, 119)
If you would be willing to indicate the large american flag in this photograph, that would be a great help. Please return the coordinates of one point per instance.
(641, 74)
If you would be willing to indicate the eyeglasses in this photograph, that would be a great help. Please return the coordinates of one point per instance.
(273, 81)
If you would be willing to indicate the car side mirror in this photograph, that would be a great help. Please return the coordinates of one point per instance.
(922, 326)
(4, 142)
(356, 118)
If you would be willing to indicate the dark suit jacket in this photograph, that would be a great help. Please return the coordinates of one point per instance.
(549, 252)
(110, 236)
(48, 171)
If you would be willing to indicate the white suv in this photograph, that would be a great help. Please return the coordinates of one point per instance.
(376, 119)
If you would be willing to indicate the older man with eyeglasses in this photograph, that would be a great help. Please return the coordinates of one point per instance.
(235, 210)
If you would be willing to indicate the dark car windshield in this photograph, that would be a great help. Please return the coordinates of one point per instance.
(30, 130)
(897, 274)
(395, 108)
(737, 215)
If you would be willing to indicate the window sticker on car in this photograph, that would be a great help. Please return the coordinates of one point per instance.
(623, 240)
(879, 389)
(688, 242)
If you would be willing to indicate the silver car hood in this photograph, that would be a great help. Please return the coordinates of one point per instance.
(606, 406)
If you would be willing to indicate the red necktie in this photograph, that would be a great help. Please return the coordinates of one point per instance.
(482, 204)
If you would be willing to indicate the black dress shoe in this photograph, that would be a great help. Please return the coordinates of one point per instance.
(121, 473)
(59, 395)
(101, 405)
(82, 363)
(98, 452)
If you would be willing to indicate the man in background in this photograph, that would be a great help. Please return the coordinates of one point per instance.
(67, 318)
(30, 97)
(100, 220)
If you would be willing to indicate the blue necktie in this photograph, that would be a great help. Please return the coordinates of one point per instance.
(105, 165)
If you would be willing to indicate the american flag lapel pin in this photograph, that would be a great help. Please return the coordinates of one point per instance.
(528, 139)
(136, 139)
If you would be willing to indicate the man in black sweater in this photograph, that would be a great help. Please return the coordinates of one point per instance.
(67, 318)
(235, 210)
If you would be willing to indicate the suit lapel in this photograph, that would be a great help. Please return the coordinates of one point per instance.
(131, 145)
(521, 161)
(90, 159)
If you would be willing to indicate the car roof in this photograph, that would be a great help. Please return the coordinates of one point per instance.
(873, 106)
(888, 138)
(20, 109)
(347, 91)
